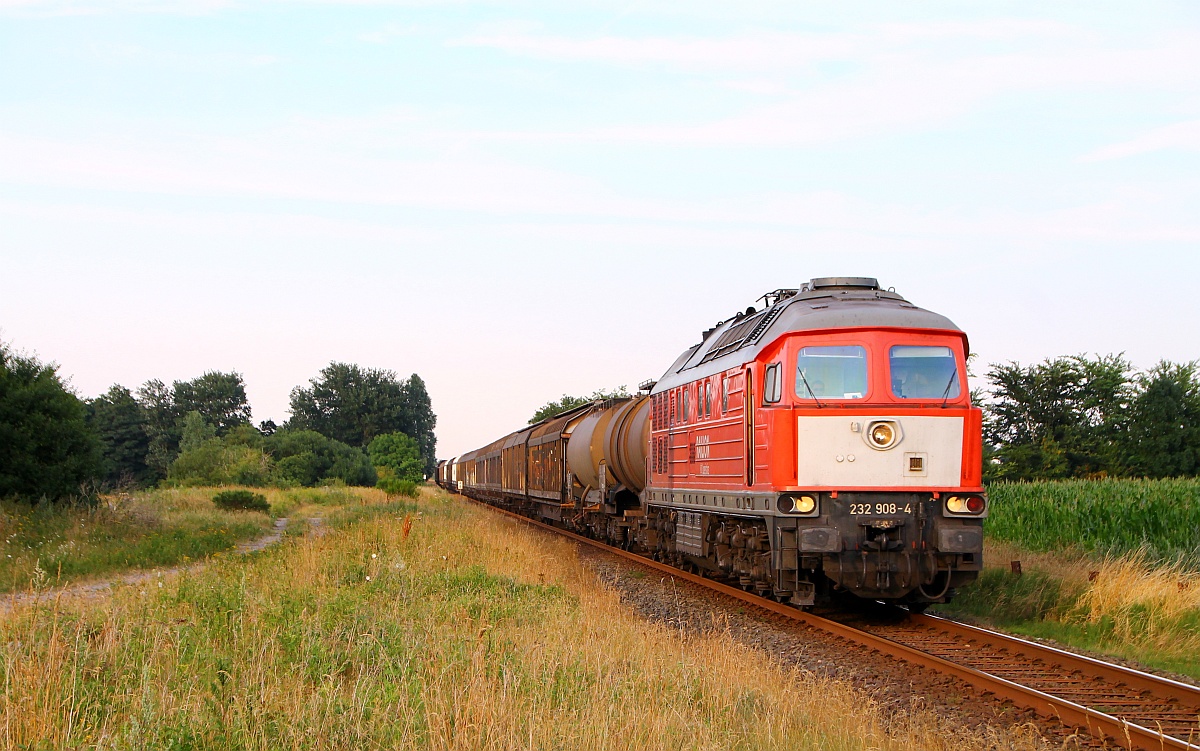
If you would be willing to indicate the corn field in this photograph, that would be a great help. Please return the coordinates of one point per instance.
(1161, 518)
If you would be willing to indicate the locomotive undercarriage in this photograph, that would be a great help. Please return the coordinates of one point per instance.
(917, 557)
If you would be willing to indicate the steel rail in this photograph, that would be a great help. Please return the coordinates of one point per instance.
(1135, 679)
(1096, 723)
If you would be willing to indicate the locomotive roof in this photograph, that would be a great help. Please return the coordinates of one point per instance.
(824, 303)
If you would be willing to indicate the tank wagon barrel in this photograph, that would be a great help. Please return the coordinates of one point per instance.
(612, 439)
(824, 444)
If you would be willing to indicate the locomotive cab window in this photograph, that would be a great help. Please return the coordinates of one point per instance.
(832, 372)
(772, 383)
(922, 372)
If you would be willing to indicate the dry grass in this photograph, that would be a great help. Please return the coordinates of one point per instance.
(428, 625)
(1130, 605)
(52, 544)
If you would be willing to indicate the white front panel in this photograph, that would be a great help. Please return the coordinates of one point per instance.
(832, 452)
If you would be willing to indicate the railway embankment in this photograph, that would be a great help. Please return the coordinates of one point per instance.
(1110, 567)
(433, 624)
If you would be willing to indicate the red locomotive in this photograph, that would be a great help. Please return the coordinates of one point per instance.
(824, 444)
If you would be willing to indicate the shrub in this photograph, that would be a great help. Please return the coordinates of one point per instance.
(305, 457)
(392, 486)
(214, 462)
(241, 500)
(399, 455)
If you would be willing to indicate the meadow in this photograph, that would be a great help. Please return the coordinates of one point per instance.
(53, 544)
(412, 625)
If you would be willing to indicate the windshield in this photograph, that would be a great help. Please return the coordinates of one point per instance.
(831, 372)
(924, 373)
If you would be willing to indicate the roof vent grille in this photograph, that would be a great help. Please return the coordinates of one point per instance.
(742, 334)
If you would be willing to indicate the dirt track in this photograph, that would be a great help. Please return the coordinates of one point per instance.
(99, 587)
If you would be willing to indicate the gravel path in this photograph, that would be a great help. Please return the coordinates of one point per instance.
(899, 688)
(94, 589)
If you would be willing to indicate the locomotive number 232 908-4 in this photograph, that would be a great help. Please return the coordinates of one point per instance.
(858, 509)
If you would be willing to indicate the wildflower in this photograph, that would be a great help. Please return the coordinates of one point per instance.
(372, 555)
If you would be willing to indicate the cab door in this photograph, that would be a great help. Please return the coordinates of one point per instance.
(748, 410)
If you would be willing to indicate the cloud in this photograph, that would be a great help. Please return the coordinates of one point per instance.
(325, 183)
(821, 88)
(1183, 136)
(43, 8)
(756, 52)
(760, 51)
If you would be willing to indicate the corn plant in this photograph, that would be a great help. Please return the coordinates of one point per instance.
(1160, 518)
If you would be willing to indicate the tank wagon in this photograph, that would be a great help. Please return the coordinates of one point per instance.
(825, 444)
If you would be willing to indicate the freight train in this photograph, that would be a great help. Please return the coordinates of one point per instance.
(823, 446)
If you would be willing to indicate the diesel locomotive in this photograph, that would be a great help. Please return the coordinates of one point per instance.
(825, 444)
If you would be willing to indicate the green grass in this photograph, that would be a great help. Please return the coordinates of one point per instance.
(53, 544)
(50, 544)
(1101, 517)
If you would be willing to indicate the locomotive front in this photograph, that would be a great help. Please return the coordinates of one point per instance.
(824, 444)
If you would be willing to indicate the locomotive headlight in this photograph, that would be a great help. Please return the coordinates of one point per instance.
(883, 434)
(805, 505)
(966, 504)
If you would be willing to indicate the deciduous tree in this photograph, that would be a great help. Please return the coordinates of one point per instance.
(568, 403)
(1163, 438)
(1060, 418)
(353, 404)
(47, 450)
(121, 425)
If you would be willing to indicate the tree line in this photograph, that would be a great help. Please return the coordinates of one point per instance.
(1088, 417)
(349, 424)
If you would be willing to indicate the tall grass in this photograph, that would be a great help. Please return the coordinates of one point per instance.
(53, 544)
(1159, 519)
(439, 626)
(1128, 606)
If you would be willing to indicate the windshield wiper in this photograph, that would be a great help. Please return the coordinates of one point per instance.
(946, 393)
(811, 393)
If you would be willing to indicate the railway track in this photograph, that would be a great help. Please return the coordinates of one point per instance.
(1129, 708)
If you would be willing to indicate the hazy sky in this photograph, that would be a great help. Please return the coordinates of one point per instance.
(521, 199)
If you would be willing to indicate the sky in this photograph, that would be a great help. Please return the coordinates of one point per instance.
(518, 200)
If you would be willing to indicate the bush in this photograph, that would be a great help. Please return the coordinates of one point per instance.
(305, 457)
(215, 462)
(392, 486)
(399, 455)
(241, 500)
